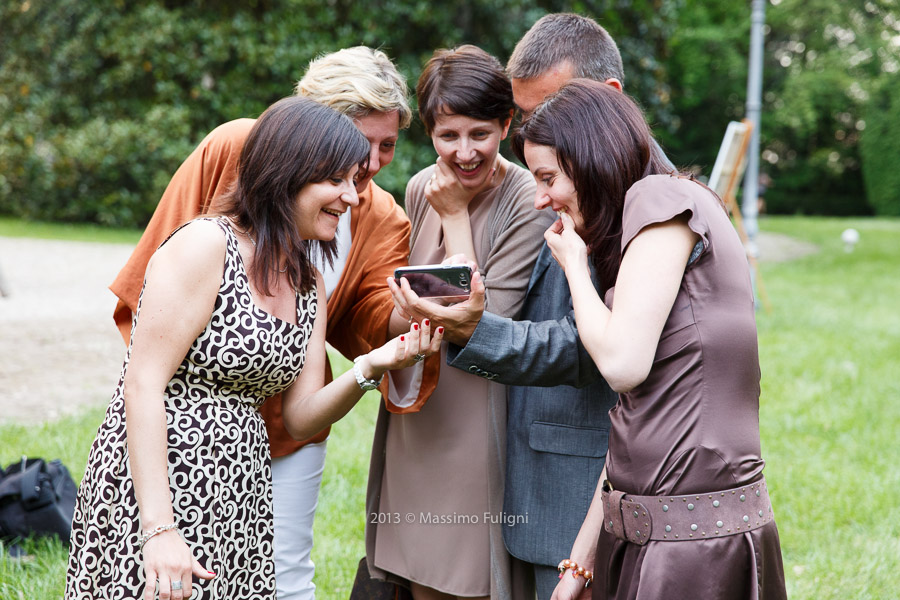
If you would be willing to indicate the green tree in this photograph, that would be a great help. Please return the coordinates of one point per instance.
(707, 68)
(100, 101)
(879, 148)
(822, 59)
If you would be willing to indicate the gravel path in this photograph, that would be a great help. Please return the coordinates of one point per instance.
(59, 348)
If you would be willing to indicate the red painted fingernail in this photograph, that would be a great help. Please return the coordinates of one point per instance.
(426, 322)
(402, 338)
(210, 572)
(440, 330)
(415, 326)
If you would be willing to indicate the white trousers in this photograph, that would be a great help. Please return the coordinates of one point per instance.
(295, 489)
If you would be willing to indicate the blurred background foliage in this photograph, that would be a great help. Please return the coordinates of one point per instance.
(100, 101)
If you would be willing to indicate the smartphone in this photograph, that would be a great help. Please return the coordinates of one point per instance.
(445, 282)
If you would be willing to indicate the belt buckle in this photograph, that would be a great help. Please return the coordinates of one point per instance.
(627, 520)
(613, 520)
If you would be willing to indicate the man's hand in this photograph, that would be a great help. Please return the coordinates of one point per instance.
(459, 320)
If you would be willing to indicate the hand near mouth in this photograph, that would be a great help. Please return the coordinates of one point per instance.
(450, 200)
(565, 244)
(448, 196)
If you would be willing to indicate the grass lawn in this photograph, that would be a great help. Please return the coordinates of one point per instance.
(830, 413)
(830, 408)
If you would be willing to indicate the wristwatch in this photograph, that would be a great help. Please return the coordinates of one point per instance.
(364, 384)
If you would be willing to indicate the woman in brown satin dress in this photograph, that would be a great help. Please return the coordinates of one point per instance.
(683, 510)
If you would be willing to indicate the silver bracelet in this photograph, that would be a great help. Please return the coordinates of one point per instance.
(153, 532)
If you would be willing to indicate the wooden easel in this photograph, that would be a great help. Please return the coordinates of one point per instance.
(726, 175)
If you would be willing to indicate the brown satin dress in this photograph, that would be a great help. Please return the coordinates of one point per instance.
(693, 425)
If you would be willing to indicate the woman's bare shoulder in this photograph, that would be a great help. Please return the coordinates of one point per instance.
(197, 246)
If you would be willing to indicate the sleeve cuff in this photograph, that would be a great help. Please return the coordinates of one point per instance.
(481, 348)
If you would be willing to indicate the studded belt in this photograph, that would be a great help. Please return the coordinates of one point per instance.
(639, 519)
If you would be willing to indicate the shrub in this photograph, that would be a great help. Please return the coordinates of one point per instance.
(879, 147)
(100, 101)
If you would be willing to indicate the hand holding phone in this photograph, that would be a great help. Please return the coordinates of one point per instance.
(459, 318)
(446, 282)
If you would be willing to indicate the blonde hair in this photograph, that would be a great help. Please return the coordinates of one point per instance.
(357, 81)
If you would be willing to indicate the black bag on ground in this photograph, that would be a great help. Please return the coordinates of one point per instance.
(36, 498)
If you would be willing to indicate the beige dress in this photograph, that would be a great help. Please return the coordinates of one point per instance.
(439, 483)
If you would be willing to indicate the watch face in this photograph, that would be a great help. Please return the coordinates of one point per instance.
(367, 386)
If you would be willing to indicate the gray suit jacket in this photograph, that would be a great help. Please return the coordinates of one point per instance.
(557, 420)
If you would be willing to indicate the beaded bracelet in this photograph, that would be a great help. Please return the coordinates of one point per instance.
(153, 532)
(577, 571)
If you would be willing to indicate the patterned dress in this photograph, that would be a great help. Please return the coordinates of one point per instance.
(218, 454)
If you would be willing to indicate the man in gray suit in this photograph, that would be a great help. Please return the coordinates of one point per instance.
(558, 404)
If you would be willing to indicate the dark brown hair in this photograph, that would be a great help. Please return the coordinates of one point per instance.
(294, 142)
(464, 81)
(603, 144)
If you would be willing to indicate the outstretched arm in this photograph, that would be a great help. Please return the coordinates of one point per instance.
(537, 353)
(309, 407)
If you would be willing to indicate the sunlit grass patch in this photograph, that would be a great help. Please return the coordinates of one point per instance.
(830, 407)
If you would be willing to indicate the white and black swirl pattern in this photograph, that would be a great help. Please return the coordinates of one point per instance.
(218, 455)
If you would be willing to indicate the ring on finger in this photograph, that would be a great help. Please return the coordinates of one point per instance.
(419, 357)
(177, 585)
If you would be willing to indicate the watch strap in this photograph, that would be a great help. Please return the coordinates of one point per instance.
(364, 384)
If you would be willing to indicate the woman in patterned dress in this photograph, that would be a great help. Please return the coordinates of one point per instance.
(681, 509)
(177, 494)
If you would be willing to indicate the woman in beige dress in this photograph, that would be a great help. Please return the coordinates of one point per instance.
(436, 486)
